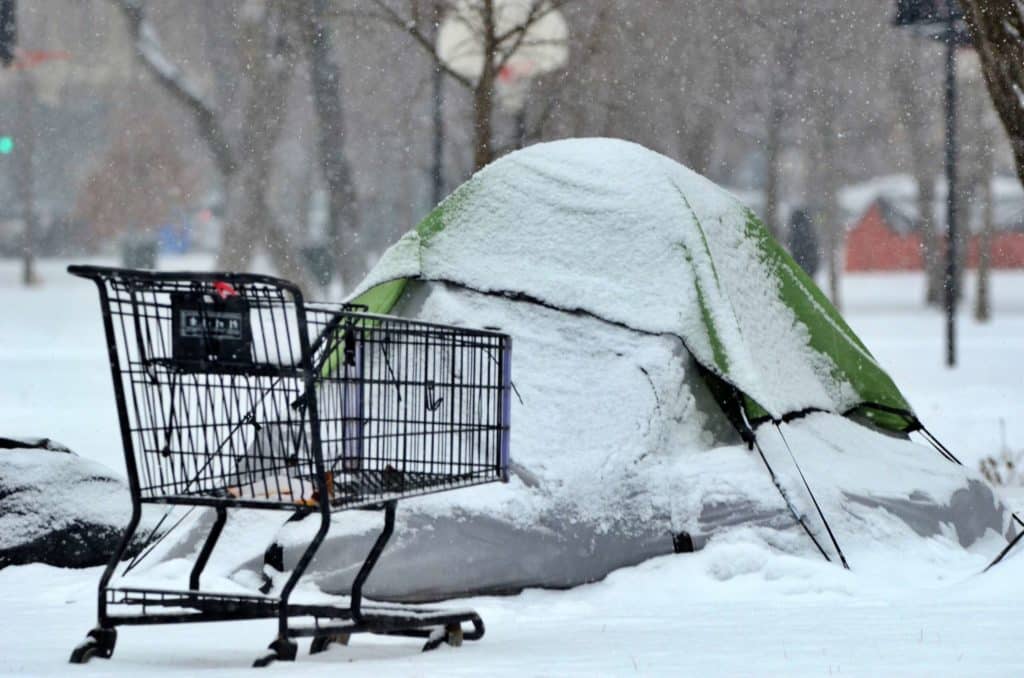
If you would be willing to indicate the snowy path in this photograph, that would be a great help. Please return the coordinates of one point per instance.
(722, 612)
(734, 609)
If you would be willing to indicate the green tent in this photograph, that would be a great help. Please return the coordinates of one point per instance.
(610, 229)
(649, 310)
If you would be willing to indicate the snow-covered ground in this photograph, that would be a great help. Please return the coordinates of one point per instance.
(735, 608)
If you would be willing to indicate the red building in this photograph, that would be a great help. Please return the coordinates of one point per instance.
(886, 238)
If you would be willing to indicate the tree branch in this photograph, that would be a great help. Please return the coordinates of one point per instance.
(996, 27)
(389, 15)
(176, 83)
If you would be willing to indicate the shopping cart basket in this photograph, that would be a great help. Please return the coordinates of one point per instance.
(233, 392)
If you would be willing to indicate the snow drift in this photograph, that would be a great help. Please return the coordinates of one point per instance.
(56, 507)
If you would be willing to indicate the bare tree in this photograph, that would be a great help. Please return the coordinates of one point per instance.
(267, 40)
(828, 174)
(497, 47)
(781, 38)
(916, 107)
(982, 299)
(981, 135)
(997, 27)
(343, 222)
(688, 78)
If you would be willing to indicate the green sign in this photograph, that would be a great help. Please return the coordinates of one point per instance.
(6, 145)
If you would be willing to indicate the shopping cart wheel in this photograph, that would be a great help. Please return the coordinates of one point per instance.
(321, 643)
(280, 650)
(451, 634)
(99, 642)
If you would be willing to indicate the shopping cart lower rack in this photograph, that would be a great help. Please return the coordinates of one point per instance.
(234, 393)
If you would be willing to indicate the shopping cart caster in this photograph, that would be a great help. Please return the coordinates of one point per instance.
(280, 650)
(451, 634)
(99, 642)
(321, 643)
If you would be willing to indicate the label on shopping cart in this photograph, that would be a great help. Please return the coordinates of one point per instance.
(211, 329)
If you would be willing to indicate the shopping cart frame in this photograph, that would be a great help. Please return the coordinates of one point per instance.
(324, 623)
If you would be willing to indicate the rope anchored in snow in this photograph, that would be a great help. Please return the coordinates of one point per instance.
(939, 447)
(1006, 550)
(944, 451)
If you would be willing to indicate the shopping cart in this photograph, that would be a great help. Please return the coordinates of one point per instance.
(233, 392)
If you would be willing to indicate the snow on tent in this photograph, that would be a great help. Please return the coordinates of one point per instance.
(678, 378)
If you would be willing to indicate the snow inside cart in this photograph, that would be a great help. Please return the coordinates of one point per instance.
(232, 392)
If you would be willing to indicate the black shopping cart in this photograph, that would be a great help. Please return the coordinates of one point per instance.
(233, 392)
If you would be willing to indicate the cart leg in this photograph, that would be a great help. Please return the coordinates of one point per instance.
(283, 648)
(371, 561)
(273, 556)
(204, 554)
(100, 641)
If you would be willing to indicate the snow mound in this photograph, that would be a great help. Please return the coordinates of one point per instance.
(56, 507)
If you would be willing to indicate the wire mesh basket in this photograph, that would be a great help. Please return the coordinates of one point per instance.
(232, 391)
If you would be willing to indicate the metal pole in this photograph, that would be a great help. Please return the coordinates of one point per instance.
(25, 174)
(950, 284)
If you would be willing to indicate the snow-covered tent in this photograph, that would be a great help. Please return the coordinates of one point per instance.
(678, 378)
(617, 232)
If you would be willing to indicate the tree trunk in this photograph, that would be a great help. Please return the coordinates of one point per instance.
(268, 63)
(701, 143)
(982, 302)
(437, 140)
(483, 93)
(437, 192)
(343, 222)
(267, 66)
(924, 160)
(830, 221)
(997, 27)
(773, 156)
(483, 114)
(931, 241)
(783, 81)
(967, 192)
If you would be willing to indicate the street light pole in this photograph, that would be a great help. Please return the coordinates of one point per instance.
(950, 282)
(26, 173)
(943, 19)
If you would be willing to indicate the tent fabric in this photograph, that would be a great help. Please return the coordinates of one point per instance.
(613, 230)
